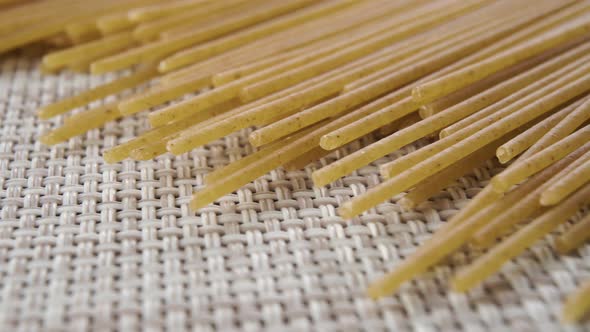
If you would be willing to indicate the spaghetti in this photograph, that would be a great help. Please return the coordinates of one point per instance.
(505, 79)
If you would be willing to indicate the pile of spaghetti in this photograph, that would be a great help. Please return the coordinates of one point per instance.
(491, 79)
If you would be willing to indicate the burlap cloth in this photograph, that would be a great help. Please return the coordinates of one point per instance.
(86, 245)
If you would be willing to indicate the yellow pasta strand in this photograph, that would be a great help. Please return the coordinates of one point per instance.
(82, 32)
(124, 150)
(369, 91)
(574, 237)
(409, 70)
(523, 141)
(562, 129)
(577, 304)
(495, 130)
(523, 169)
(348, 29)
(253, 114)
(439, 181)
(233, 74)
(113, 23)
(236, 167)
(81, 123)
(565, 64)
(526, 109)
(92, 50)
(286, 152)
(159, 49)
(430, 125)
(306, 159)
(348, 133)
(439, 246)
(231, 90)
(99, 92)
(529, 202)
(289, 152)
(569, 31)
(204, 13)
(396, 125)
(492, 260)
(150, 13)
(201, 74)
(405, 136)
(476, 88)
(433, 17)
(193, 55)
(563, 187)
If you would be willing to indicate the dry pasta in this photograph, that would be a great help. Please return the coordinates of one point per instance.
(574, 237)
(489, 78)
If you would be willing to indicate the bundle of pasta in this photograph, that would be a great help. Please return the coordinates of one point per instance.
(491, 78)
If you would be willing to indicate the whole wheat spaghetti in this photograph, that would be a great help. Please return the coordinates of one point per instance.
(490, 78)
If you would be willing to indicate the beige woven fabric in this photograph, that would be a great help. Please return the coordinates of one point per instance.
(86, 245)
